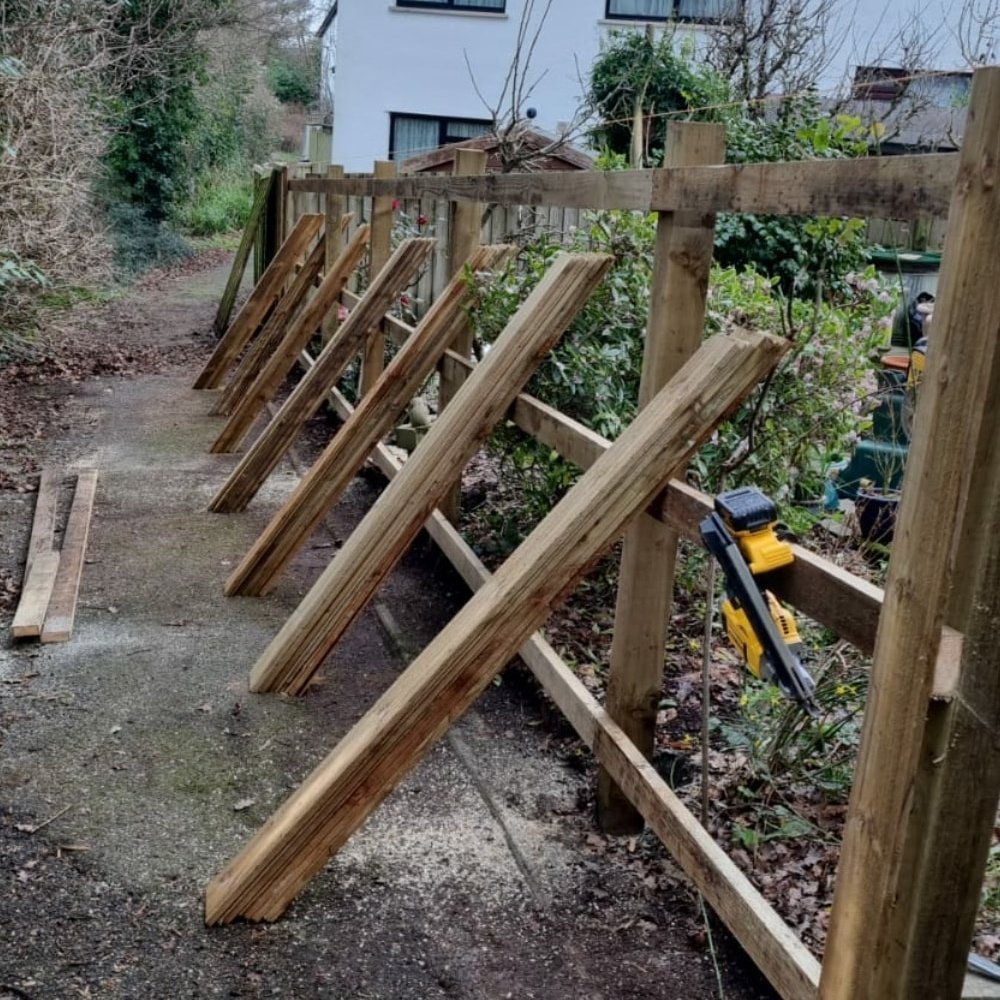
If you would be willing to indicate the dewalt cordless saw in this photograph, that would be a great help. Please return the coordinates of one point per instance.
(741, 535)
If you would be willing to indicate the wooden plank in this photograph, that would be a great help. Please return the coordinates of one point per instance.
(272, 333)
(332, 472)
(274, 370)
(265, 293)
(374, 547)
(61, 611)
(247, 241)
(39, 574)
(584, 188)
(44, 522)
(769, 942)
(373, 361)
(884, 836)
(463, 234)
(39, 581)
(451, 672)
(897, 186)
(338, 221)
(268, 450)
(678, 291)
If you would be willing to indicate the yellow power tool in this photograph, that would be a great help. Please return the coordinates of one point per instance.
(741, 535)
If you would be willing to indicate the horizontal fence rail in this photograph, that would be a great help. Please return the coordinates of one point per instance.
(891, 187)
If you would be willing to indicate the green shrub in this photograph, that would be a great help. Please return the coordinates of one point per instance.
(293, 75)
(142, 242)
(221, 203)
(782, 439)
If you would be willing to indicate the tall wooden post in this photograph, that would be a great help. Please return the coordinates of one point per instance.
(335, 208)
(373, 363)
(465, 228)
(645, 587)
(907, 825)
(283, 225)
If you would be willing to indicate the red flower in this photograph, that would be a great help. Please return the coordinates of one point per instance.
(404, 300)
(421, 220)
(395, 204)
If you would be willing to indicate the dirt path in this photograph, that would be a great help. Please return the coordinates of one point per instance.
(482, 876)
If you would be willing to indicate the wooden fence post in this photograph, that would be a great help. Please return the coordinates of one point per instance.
(645, 587)
(249, 240)
(373, 362)
(897, 819)
(464, 231)
(336, 239)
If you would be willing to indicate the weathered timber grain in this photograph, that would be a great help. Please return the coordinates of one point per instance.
(264, 295)
(61, 610)
(276, 367)
(900, 187)
(870, 943)
(330, 474)
(279, 435)
(36, 592)
(678, 291)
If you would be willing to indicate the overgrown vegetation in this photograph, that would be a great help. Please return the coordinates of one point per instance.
(124, 124)
(782, 439)
(640, 82)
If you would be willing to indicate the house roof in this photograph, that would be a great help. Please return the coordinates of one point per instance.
(327, 21)
(910, 127)
(565, 157)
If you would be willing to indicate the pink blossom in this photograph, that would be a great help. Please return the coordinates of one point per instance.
(342, 313)
(404, 300)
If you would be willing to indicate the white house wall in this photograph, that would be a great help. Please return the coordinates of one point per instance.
(409, 61)
(413, 61)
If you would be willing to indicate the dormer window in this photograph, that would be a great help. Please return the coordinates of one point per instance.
(665, 10)
(493, 6)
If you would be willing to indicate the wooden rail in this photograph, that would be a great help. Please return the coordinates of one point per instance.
(891, 187)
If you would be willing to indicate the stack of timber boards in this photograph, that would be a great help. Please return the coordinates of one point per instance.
(52, 577)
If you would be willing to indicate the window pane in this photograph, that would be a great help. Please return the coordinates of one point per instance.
(413, 136)
(709, 9)
(465, 130)
(640, 8)
(488, 4)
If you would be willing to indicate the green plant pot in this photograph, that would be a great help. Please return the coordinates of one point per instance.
(877, 515)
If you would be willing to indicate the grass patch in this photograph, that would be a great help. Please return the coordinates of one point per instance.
(221, 203)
